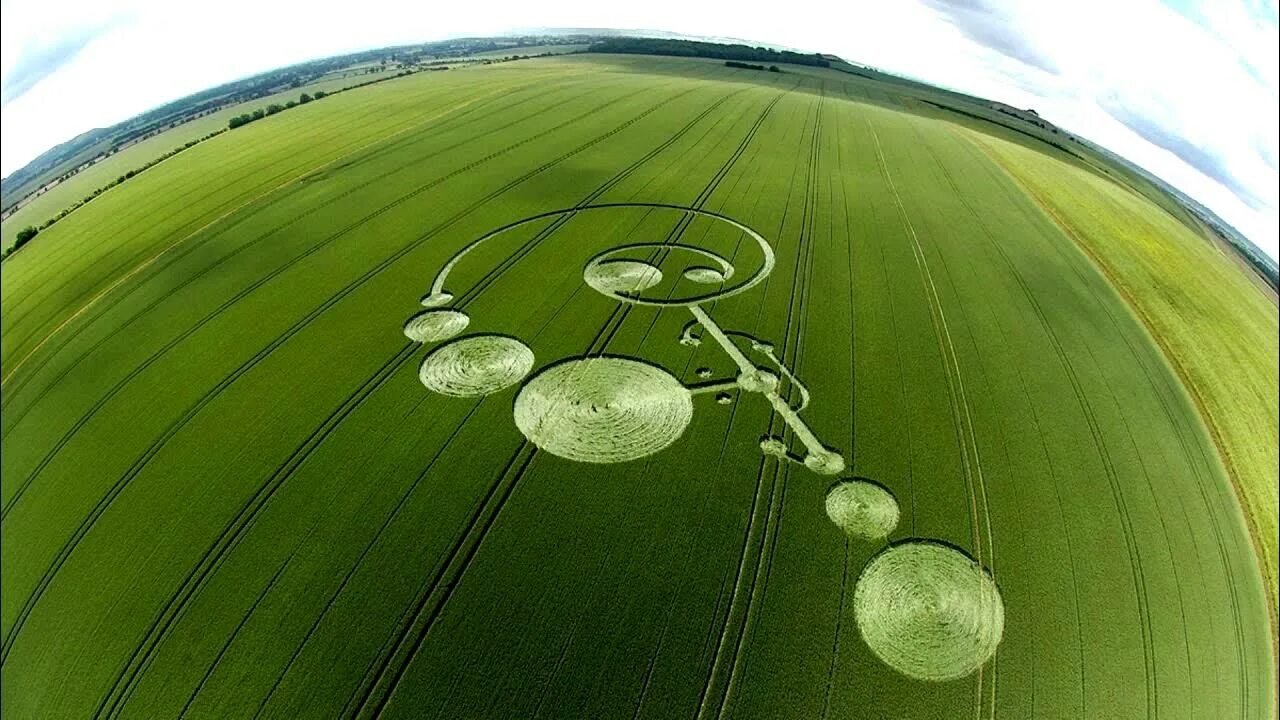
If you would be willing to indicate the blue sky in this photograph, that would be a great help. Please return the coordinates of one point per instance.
(1185, 88)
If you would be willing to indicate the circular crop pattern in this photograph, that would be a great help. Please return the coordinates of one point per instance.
(862, 509)
(706, 275)
(825, 462)
(699, 274)
(435, 325)
(603, 409)
(476, 365)
(928, 611)
(621, 276)
(712, 269)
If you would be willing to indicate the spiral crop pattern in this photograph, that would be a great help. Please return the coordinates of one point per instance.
(603, 409)
(476, 365)
(928, 611)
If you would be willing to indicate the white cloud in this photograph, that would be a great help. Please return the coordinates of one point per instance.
(1208, 82)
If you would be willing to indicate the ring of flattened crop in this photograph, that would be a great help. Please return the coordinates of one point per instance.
(766, 264)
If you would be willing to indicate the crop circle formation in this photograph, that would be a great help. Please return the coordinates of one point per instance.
(435, 325)
(929, 611)
(621, 276)
(476, 365)
(862, 509)
(603, 409)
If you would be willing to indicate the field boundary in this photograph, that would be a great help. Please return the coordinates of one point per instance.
(1267, 573)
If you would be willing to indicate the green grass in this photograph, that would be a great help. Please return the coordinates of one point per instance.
(65, 194)
(1213, 321)
(227, 493)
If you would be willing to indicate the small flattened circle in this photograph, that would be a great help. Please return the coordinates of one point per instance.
(705, 275)
(437, 299)
(825, 462)
(435, 325)
(862, 509)
(476, 365)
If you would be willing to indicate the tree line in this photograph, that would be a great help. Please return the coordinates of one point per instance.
(695, 48)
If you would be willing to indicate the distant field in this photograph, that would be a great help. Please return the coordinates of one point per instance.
(75, 188)
(227, 493)
(531, 50)
(1214, 321)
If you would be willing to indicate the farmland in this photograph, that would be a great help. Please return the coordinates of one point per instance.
(233, 487)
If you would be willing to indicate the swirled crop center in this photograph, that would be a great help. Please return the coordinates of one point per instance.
(603, 409)
(435, 325)
(862, 509)
(929, 611)
(476, 365)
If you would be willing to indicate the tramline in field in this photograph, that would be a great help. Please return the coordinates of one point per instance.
(729, 394)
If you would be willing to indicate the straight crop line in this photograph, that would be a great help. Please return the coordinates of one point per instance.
(118, 487)
(1040, 204)
(1135, 560)
(793, 341)
(8, 506)
(149, 261)
(12, 422)
(1202, 406)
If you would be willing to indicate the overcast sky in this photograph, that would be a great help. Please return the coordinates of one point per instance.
(1185, 88)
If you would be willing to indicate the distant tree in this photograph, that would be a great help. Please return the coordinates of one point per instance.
(774, 68)
(25, 234)
(304, 99)
(320, 94)
(259, 114)
(291, 104)
(274, 108)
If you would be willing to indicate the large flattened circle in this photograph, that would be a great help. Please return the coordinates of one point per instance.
(476, 365)
(603, 409)
(928, 611)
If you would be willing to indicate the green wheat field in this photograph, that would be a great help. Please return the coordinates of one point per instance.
(232, 487)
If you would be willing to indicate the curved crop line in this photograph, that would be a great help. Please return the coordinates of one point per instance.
(738, 588)
(965, 436)
(1241, 660)
(384, 670)
(146, 263)
(232, 637)
(545, 233)
(350, 227)
(951, 364)
(795, 319)
(231, 536)
(117, 298)
(1215, 524)
(319, 310)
